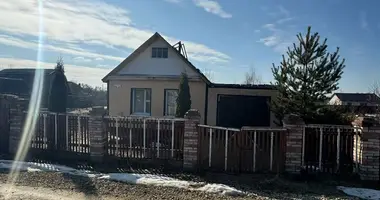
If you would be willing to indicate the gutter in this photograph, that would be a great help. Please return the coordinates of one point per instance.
(206, 104)
(108, 97)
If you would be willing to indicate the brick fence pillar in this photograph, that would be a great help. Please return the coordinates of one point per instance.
(16, 123)
(97, 139)
(295, 125)
(369, 154)
(190, 145)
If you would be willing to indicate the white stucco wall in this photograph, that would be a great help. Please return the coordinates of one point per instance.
(335, 101)
(144, 64)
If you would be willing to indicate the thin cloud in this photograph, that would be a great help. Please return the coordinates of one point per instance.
(73, 50)
(363, 21)
(279, 36)
(282, 14)
(75, 23)
(279, 40)
(284, 20)
(173, 1)
(269, 26)
(284, 11)
(270, 41)
(212, 7)
(81, 59)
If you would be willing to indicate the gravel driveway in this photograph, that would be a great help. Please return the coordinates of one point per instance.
(48, 185)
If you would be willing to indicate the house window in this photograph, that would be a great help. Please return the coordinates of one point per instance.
(159, 52)
(141, 104)
(170, 102)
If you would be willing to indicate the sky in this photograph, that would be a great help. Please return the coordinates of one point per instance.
(223, 38)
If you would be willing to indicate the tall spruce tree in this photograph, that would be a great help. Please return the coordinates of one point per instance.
(58, 89)
(184, 98)
(305, 77)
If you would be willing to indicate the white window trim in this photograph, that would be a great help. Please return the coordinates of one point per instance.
(145, 101)
(160, 49)
(166, 102)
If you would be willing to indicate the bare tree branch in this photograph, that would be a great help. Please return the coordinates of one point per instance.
(375, 88)
(209, 74)
(251, 78)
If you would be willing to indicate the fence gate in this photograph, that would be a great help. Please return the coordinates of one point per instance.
(243, 150)
(4, 125)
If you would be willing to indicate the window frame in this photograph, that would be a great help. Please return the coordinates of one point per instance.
(166, 101)
(167, 52)
(158, 52)
(132, 107)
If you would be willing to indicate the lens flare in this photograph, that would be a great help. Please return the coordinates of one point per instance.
(34, 106)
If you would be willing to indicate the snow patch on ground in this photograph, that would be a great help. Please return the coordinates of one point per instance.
(156, 180)
(221, 189)
(43, 167)
(145, 179)
(362, 193)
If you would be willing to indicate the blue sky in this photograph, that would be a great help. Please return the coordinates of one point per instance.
(224, 38)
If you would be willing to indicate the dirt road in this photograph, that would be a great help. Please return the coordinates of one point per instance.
(40, 193)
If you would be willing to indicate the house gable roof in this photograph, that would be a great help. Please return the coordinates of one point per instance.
(143, 47)
(358, 97)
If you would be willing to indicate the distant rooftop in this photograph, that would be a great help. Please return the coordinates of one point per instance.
(359, 97)
(23, 70)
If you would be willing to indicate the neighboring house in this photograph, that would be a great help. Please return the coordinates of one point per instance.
(27, 76)
(355, 99)
(20, 82)
(14, 86)
(146, 84)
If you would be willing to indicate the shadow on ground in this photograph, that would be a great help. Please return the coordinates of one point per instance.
(260, 184)
(81, 183)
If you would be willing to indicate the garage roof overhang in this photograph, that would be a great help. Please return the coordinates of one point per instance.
(243, 86)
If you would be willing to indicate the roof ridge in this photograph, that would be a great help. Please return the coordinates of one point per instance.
(145, 45)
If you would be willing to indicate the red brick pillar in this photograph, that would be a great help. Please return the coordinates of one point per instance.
(190, 145)
(97, 139)
(295, 126)
(369, 154)
(16, 119)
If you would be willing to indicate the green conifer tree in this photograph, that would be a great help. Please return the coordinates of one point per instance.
(184, 98)
(305, 77)
(58, 89)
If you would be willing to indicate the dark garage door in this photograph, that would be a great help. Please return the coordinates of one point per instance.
(238, 110)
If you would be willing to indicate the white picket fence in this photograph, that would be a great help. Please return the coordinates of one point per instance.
(132, 137)
(330, 140)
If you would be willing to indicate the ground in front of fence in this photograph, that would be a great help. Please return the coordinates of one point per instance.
(258, 186)
(104, 189)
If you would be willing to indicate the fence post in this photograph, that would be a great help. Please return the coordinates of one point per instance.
(366, 151)
(295, 125)
(190, 145)
(97, 139)
(369, 165)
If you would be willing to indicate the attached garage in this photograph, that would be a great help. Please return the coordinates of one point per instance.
(232, 105)
(242, 110)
